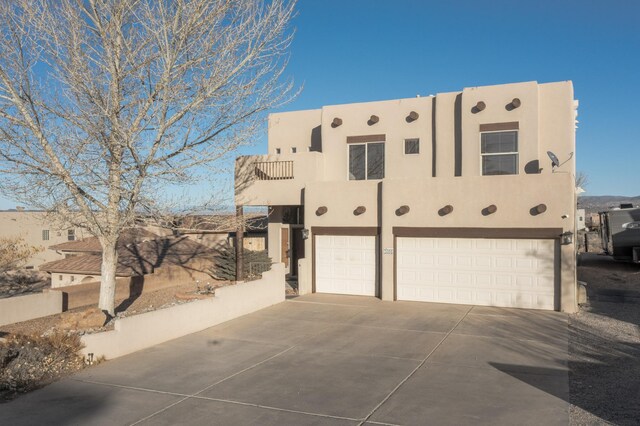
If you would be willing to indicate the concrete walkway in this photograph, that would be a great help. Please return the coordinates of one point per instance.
(329, 360)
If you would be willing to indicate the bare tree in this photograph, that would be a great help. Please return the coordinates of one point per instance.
(14, 252)
(104, 104)
(582, 180)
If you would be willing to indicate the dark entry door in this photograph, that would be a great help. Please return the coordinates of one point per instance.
(297, 249)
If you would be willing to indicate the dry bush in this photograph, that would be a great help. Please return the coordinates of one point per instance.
(30, 362)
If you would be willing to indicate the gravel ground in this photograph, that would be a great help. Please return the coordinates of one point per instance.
(604, 347)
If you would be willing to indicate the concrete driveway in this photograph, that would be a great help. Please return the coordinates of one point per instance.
(329, 360)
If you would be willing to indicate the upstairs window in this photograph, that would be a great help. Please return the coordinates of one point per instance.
(412, 146)
(499, 151)
(366, 161)
(45, 235)
(71, 234)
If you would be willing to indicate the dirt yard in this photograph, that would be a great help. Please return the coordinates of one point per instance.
(604, 345)
(90, 319)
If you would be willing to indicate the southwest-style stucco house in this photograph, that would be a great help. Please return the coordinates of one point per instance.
(449, 198)
(38, 230)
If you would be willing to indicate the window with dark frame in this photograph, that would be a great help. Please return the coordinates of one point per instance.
(412, 146)
(366, 161)
(499, 151)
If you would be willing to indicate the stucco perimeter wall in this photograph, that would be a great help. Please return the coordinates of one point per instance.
(138, 332)
(24, 308)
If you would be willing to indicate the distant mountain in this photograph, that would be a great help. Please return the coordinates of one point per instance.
(598, 203)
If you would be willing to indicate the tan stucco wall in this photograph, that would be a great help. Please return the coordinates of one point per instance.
(307, 167)
(392, 123)
(24, 308)
(29, 225)
(287, 130)
(63, 280)
(514, 196)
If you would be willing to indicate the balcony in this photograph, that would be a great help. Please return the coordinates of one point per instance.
(275, 180)
(273, 170)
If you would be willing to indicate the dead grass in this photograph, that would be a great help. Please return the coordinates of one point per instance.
(30, 362)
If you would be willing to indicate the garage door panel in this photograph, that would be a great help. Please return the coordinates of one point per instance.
(494, 272)
(345, 264)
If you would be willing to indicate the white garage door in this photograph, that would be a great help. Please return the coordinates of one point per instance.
(346, 265)
(477, 271)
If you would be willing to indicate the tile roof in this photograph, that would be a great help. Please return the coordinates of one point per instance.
(92, 245)
(136, 258)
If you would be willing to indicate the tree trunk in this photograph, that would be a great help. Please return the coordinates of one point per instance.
(239, 244)
(108, 279)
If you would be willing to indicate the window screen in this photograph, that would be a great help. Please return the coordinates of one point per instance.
(412, 146)
(375, 161)
(357, 162)
(499, 152)
(366, 161)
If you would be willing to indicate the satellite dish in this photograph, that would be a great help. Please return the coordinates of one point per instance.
(554, 160)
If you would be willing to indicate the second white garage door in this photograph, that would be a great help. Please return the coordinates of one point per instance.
(346, 264)
(492, 272)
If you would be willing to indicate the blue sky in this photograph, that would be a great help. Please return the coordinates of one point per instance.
(364, 50)
(357, 50)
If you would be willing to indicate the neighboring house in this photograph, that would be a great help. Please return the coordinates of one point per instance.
(593, 220)
(38, 231)
(218, 230)
(581, 220)
(139, 253)
(449, 198)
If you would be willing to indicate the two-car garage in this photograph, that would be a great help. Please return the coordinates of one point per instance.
(477, 271)
(507, 272)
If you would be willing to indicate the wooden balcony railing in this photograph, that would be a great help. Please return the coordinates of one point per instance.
(274, 170)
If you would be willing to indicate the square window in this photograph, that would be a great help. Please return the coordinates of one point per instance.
(278, 150)
(294, 149)
(499, 151)
(412, 146)
(366, 161)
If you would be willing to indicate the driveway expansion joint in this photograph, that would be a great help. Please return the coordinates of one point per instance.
(214, 384)
(415, 369)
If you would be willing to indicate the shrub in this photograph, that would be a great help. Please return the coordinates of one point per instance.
(254, 264)
(30, 362)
